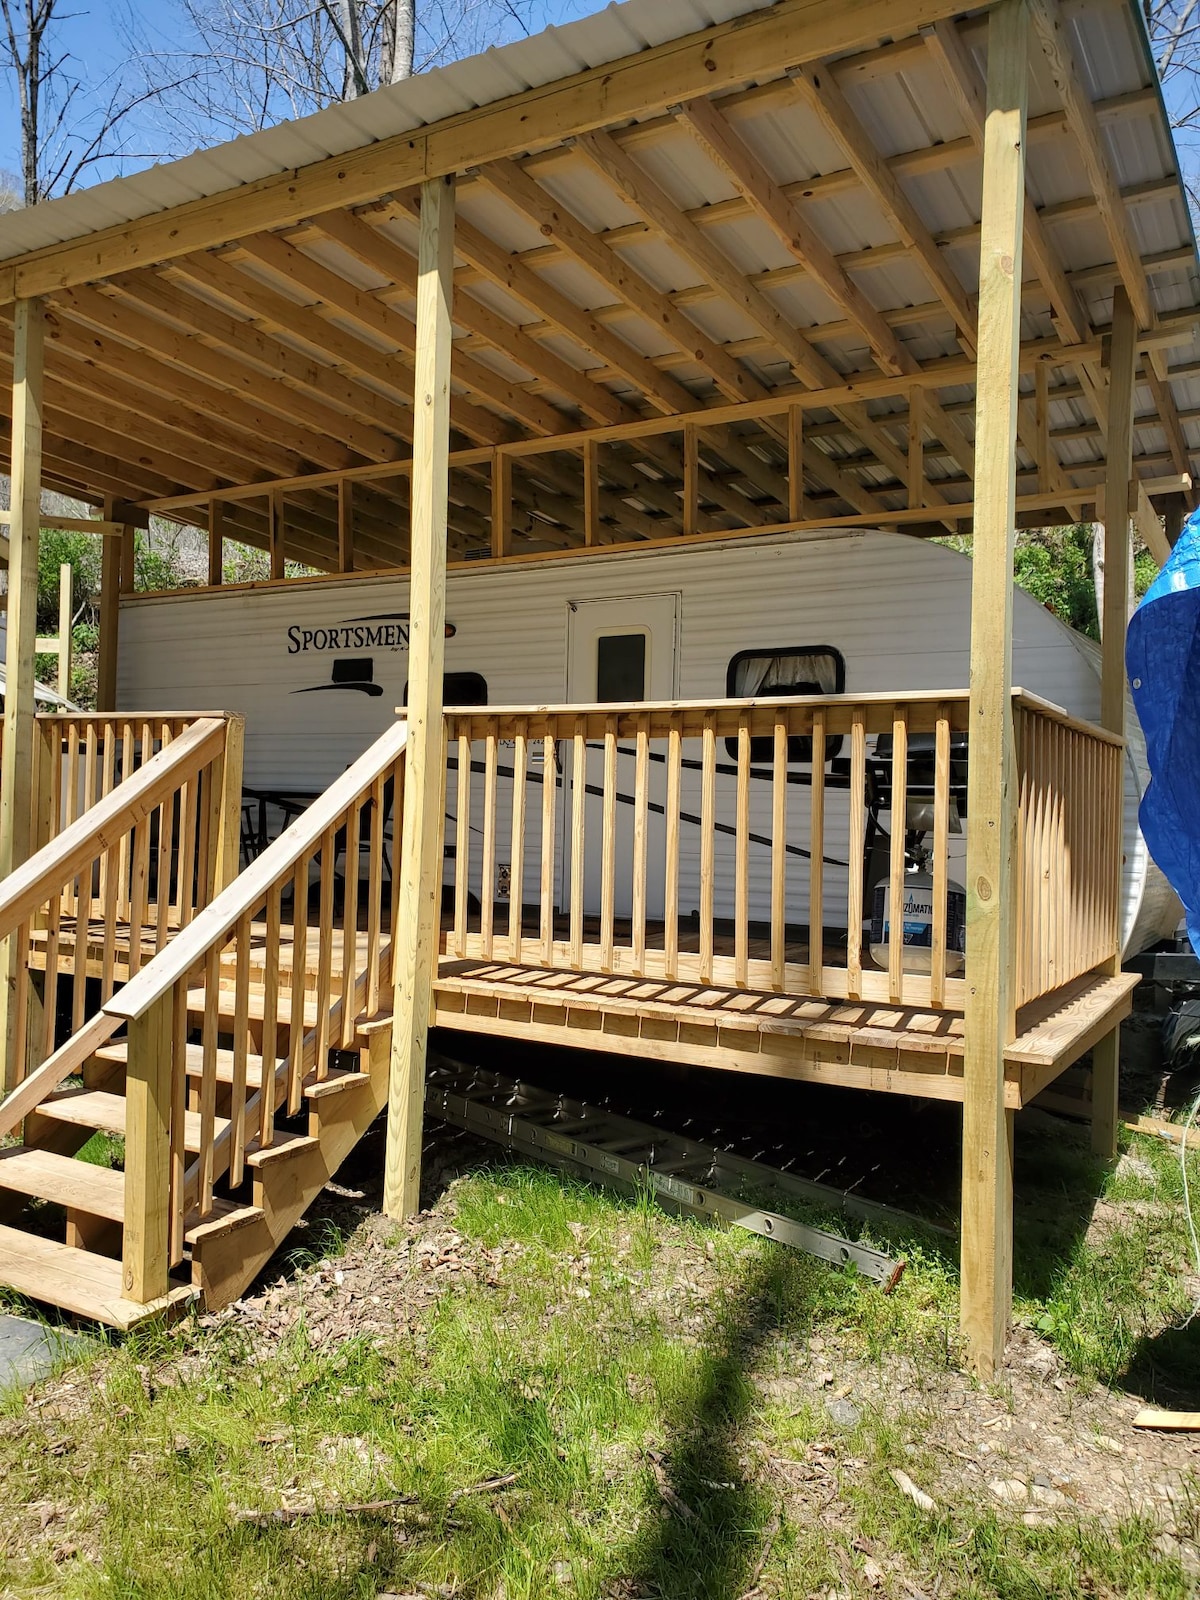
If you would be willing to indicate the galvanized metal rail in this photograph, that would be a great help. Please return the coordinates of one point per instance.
(594, 1143)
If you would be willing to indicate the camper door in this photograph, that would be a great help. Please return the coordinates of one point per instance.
(618, 651)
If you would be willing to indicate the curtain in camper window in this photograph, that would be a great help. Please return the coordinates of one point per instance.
(780, 674)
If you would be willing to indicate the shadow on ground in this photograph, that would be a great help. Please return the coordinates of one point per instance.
(706, 1540)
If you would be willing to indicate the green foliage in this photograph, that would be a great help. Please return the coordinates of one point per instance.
(1054, 565)
(82, 551)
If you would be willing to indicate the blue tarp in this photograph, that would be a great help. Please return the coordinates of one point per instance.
(1162, 652)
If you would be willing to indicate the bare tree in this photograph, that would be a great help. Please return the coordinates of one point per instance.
(251, 63)
(1174, 29)
(67, 123)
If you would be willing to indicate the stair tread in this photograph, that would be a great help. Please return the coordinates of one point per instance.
(94, 1108)
(76, 1184)
(75, 1280)
(117, 1054)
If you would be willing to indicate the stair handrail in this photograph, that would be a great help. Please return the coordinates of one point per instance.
(210, 927)
(51, 868)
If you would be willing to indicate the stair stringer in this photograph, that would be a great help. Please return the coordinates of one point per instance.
(228, 1257)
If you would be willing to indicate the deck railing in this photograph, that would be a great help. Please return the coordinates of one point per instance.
(235, 946)
(116, 881)
(1070, 805)
(742, 843)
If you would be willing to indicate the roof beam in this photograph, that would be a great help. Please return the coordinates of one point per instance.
(384, 256)
(273, 311)
(820, 90)
(336, 294)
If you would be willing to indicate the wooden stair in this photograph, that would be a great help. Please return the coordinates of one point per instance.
(223, 1250)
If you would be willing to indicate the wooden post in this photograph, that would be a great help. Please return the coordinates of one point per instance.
(16, 770)
(502, 469)
(990, 956)
(1122, 363)
(916, 446)
(591, 492)
(796, 464)
(415, 934)
(345, 494)
(216, 542)
(225, 826)
(66, 615)
(116, 579)
(276, 537)
(145, 1250)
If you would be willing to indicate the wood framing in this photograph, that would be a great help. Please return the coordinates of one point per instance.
(991, 948)
(414, 932)
(1118, 557)
(16, 770)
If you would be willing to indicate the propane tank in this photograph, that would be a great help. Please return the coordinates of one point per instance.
(918, 918)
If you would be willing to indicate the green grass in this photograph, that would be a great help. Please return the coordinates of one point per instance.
(638, 1412)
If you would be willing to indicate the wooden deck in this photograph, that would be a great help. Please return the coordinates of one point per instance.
(860, 1044)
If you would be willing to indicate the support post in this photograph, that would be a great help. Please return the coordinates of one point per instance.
(1118, 479)
(146, 1244)
(216, 542)
(415, 935)
(991, 892)
(225, 820)
(66, 615)
(116, 579)
(16, 770)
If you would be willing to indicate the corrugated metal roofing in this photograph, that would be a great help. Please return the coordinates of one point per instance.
(557, 52)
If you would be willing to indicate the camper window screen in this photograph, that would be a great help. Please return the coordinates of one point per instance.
(782, 675)
(620, 667)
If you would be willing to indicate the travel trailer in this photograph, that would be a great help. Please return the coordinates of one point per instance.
(319, 670)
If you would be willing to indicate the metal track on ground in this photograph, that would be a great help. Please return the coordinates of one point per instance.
(594, 1143)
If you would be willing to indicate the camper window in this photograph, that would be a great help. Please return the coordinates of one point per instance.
(620, 667)
(784, 674)
(461, 689)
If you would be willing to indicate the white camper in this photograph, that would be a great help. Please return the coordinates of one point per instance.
(319, 668)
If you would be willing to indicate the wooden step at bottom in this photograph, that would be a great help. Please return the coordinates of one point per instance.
(75, 1184)
(92, 1108)
(75, 1280)
(226, 1216)
(282, 1147)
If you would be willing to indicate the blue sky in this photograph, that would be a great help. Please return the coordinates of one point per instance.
(95, 33)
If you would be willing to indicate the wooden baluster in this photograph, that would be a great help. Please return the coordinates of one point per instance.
(462, 846)
(208, 787)
(139, 872)
(816, 857)
(741, 857)
(108, 767)
(641, 805)
(516, 870)
(178, 1099)
(399, 772)
(108, 959)
(858, 833)
(674, 806)
(941, 856)
(270, 1027)
(128, 767)
(162, 871)
(708, 819)
(325, 955)
(779, 777)
(350, 925)
(83, 918)
(209, 1036)
(578, 839)
(375, 897)
(50, 991)
(300, 984)
(90, 768)
(608, 860)
(71, 809)
(1040, 826)
(896, 861)
(549, 803)
(185, 853)
(1057, 855)
(241, 1046)
(20, 1004)
(487, 887)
